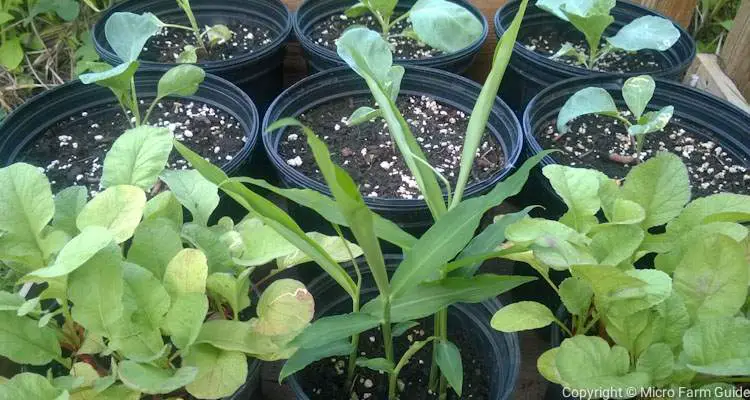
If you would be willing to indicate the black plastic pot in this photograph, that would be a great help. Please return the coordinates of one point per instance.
(41, 112)
(338, 83)
(530, 72)
(259, 74)
(695, 111)
(502, 351)
(320, 58)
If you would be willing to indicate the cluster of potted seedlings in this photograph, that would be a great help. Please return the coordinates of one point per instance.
(163, 253)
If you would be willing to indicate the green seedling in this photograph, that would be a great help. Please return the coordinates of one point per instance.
(637, 93)
(592, 17)
(441, 24)
(657, 327)
(212, 35)
(127, 33)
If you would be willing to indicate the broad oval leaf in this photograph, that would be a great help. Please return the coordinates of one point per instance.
(661, 186)
(366, 52)
(24, 342)
(182, 80)
(657, 361)
(30, 386)
(547, 366)
(194, 191)
(187, 272)
(164, 205)
(119, 209)
(27, 207)
(719, 346)
(188, 55)
(185, 317)
(149, 298)
(590, 100)
(285, 307)
(579, 189)
(68, 203)
(587, 362)
(220, 372)
(11, 53)
(448, 358)
(137, 157)
(576, 295)
(154, 244)
(96, 291)
(647, 32)
(149, 379)
(637, 92)
(234, 336)
(445, 25)
(77, 251)
(653, 121)
(521, 316)
(127, 33)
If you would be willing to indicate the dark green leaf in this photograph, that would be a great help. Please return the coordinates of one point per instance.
(305, 357)
(337, 327)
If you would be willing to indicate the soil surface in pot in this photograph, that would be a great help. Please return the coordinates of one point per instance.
(72, 151)
(325, 379)
(367, 152)
(550, 42)
(325, 33)
(166, 46)
(593, 138)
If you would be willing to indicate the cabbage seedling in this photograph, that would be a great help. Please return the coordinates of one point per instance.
(637, 92)
(127, 33)
(441, 24)
(592, 17)
(213, 35)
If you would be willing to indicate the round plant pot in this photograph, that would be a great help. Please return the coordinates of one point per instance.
(500, 352)
(705, 116)
(73, 99)
(529, 71)
(320, 58)
(342, 83)
(260, 73)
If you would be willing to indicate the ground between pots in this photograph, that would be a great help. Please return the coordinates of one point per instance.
(593, 138)
(368, 153)
(72, 151)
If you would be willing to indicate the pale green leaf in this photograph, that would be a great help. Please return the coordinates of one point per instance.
(196, 193)
(68, 203)
(521, 316)
(333, 245)
(23, 342)
(657, 361)
(376, 364)
(337, 327)
(185, 317)
(146, 292)
(719, 346)
(285, 307)
(188, 55)
(182, 80)
(154, 244)
(127, 33)
(579, 189)
(647, 32)
(149, 379)
(546, 364)
(445, 25)
(186, 273)
(366, 52)
(220, 372)
(96, 290)
(305, 357)
(11, 53)
(637, 92)
(362, 115)
(30, 386)
(164, 205)
(77, 251)
(576, 295)
(591, 100)
(448, 358)
(119, 209)
(653, 121)
(137, 157)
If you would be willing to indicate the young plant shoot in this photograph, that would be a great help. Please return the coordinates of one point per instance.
(592, 17)
(637, 93)
(133, 302)
(211, 36)
(441, 24)
(127, 33)
(679, 320)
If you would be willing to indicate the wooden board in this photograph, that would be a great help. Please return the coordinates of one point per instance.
(735, 53)
(681, 11)
(706, 74)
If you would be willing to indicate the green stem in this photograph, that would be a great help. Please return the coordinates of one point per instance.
(564, 328)
(443, 314)
(399, 19)
(150, 109)
(134, 103)
(588, 327)
(355, 338)
(384, 26)
(388, 343)
(434, 370)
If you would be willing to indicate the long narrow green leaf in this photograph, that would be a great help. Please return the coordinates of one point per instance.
(482, 108)
(272, 215)
(326, 207)
(330, 329)
(304, 357)
(350, 202)
(487, 241)
(448, 236)
(428, 298)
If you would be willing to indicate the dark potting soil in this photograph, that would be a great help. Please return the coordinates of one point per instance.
(325, 33)
(593, 138)
(368, 154)
(550, 42)
(166, 46)
(72, 151)
(325, 379)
